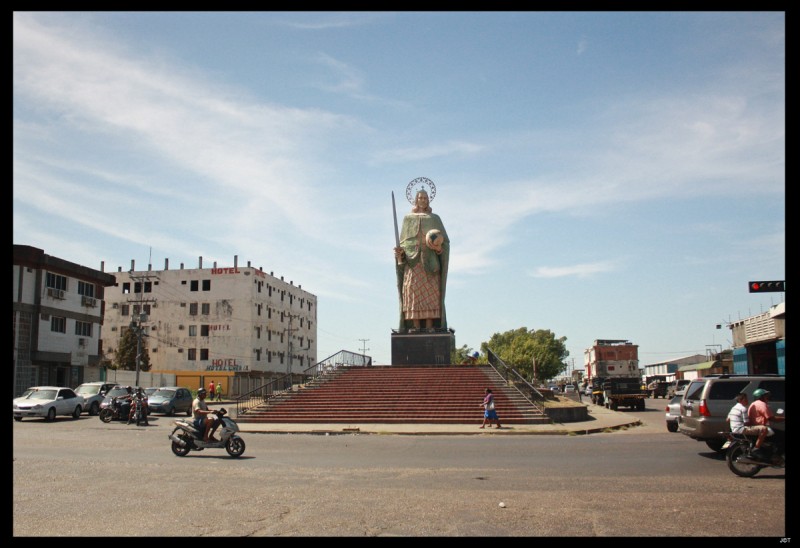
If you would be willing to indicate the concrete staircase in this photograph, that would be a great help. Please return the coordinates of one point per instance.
(399, 395)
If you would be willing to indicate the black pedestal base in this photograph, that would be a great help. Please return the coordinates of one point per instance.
(423, 346)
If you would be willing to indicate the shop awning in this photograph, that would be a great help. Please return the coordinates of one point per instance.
(699, 366)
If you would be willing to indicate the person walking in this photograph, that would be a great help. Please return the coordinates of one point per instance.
(211, 391)
(219, 392)
(489, 412)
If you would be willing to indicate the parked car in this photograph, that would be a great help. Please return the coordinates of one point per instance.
(658, 389)
(170, 400)
(707, 401)
(588, 390)
(150, 390)
(677, 387)
(569, 389)
(93, 394)
(47, 402)
(673, 413)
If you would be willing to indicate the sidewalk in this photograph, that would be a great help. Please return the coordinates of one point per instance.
(600, 419)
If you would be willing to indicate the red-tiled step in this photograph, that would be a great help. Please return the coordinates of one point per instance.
(399, 395)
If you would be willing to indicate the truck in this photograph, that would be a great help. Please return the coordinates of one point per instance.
(612, 366)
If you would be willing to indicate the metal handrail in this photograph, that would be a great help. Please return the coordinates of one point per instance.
(512, 377)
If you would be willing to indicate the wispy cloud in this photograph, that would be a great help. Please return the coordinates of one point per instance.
(584, 270)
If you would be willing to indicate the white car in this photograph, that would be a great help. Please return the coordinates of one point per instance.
(47, 402)
(569, 389)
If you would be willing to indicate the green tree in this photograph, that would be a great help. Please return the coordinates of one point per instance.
(519, 348)
(125, 358)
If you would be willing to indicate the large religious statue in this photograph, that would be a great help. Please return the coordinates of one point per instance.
(421, 255)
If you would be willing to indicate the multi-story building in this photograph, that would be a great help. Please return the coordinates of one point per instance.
(237, 326)
(58, 314)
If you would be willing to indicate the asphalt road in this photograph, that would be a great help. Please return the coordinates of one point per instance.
(87, 478)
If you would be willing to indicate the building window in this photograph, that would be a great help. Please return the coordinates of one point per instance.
(258, 354)
(191, 354)
(125, 310)
(147, 309)
(85, 289)
(126, 288)
(206, 285)
(84, 329)
(258, 332)
(258, 309)
(58, 325)
(193, 309)
(56, 281)
(192, 330)
(193, 285)
(204, 354)
(148, 287)
(204, 330)
(206, 309)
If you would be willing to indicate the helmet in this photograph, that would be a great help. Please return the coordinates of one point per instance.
(201, 391)
(758, 392)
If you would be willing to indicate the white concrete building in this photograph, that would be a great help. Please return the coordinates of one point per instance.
(235, 325)
(58, 314)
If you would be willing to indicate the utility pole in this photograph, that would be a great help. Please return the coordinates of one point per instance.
(142, 317)
(364, 346)
(289, 331)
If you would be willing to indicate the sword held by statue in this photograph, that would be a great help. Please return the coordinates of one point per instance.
(396, 232)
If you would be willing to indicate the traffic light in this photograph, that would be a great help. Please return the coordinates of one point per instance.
(766, 287)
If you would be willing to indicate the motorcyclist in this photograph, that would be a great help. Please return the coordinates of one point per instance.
(760, 416)
(737, 416)
(138, 398)
(201, 413)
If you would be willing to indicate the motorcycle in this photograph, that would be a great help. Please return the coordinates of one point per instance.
(118, 409)
(745, 462)
(138, 409)
(185, 437)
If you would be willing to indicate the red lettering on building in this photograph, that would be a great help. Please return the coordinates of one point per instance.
(225, 270)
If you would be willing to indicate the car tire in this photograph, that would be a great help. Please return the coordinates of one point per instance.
(189, 412)
(170, 411)
(18, 419)
(94, 409)
(716, 445)
(51, 415)
(672, 426)
(76, 414)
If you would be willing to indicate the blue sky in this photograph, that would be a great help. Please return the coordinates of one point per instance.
(604, 175)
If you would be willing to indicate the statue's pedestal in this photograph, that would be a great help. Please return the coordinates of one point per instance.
(423, 346)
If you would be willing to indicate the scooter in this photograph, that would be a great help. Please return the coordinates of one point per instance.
(742, 459)
(185, 437)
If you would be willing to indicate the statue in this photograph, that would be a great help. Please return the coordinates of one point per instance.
(422, 255)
